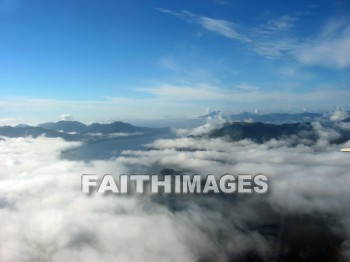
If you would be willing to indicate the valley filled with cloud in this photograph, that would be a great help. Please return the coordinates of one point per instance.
(305, 215)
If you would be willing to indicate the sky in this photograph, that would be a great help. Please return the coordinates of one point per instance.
(118, 60)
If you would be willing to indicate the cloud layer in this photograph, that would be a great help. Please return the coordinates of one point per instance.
(45, 217)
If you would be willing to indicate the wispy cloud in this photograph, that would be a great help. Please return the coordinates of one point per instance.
(218, 26)
(331, 48)
(263, 40)
(192, 93)
(277, 39)
(242, 93)
(66, 117)
(8, 121)
(177, 101)
(221, 27)
(274, 38)
(283, 23)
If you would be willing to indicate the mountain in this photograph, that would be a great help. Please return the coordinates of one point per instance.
(211, 114)
(76, 131)
(276, 117)
(262, 132)
(115, 127)
(96, 128)
(22, 125)
(24, 131)
(66, 126)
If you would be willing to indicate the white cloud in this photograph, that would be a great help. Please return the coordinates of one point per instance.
(338, 115)
(274, 48)
(266, 40)
(283, 23)
(105, 109)
(175, 101)
(9, 121)
(248, 94)
(331, 48)
(200, 92)
(66, 117)
(276, 39)
(218, 26)
(326, 53)
(45, 217)
(211, 124)
(327, 49)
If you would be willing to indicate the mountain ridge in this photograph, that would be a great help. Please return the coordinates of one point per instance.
(77, 131)
(261, 132)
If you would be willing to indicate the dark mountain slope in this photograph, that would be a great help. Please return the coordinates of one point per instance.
(10, 131)
(66, 126)
(76, 131)
(261, 132)
(277, 117)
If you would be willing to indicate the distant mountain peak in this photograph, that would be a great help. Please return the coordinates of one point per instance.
(212, 114)
(74, 130)
(277, 117)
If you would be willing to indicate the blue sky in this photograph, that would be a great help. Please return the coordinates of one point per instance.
(108, 60)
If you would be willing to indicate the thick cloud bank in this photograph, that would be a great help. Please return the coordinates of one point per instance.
(304, 217)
